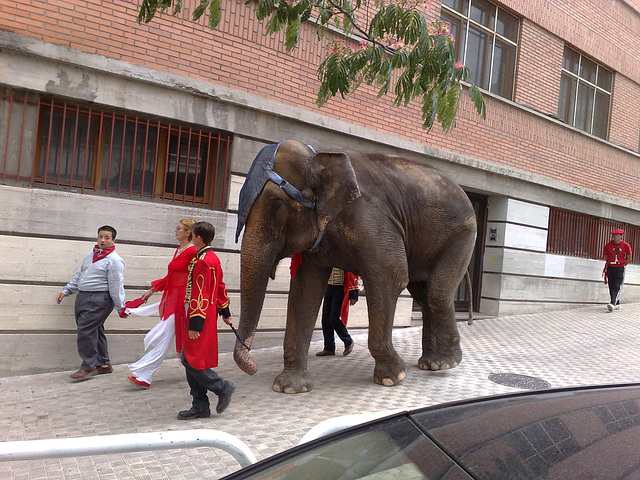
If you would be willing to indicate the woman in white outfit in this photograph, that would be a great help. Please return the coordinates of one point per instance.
(171, 308)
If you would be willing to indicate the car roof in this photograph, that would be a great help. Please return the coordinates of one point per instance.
(579, 432)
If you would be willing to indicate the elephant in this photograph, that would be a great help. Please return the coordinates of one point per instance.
(395, 222)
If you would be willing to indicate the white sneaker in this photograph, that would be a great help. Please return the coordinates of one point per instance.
(610, 307)
(617, 307)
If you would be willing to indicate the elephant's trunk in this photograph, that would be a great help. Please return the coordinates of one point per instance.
(256, 264)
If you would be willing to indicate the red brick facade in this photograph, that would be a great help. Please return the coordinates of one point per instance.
(625, 113)
(539, 53)
(238, 55)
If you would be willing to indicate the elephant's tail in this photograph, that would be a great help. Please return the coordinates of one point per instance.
(467, 278)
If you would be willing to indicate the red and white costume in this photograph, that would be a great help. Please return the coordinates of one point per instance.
(172, 313)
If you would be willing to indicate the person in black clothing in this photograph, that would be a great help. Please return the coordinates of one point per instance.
(342, 291)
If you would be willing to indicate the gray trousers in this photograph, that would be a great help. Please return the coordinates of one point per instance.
(92, 309)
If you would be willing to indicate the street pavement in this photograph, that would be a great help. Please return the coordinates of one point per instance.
(584, 346)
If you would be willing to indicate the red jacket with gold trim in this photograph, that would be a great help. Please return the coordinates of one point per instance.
(206, 296)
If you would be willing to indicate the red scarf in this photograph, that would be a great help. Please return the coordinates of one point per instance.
(100, 253)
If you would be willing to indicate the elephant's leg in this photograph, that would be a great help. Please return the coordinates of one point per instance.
(440, 336)
(305, 297)
(382, 297)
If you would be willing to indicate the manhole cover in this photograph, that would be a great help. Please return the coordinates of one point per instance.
(519, 381)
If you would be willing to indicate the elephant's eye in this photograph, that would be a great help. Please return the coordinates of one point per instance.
(276, 206)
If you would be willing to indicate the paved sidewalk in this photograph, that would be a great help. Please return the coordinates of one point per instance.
(572, 347)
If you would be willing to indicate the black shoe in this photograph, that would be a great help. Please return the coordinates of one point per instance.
(224, 399)
(103, 369)
(193, 413)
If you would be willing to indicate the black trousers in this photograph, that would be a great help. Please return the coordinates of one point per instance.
(201, 381)
(615, 279)
(331, 318)
(91, 311)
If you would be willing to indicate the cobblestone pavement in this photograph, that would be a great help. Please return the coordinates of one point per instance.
(572, 347)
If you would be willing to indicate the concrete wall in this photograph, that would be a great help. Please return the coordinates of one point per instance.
(520, 277)
(44, 238)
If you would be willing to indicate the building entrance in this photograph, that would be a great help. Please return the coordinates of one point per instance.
(479, 203)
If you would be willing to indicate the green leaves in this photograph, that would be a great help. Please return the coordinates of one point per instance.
(397, 50)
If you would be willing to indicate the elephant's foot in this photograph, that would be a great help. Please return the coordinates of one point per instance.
(293, 381)
(440, 361)
(390, 373)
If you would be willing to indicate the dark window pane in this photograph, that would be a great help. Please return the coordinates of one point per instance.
(584, 108)
(588, 70)
(126, 165)
(504, 64)
(483, 12)
(605, 79)
(601, 115)
(461, 6)
(186, 166)
(571, 60)
(567, 99)
(458, 30)
(478, 55)
(507, 25)
(66, 154)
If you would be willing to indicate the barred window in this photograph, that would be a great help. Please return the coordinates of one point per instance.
(87, 148)
(581, 235)
(585, 93)
(486, 40)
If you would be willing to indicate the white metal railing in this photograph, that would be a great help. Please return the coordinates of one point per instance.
(130, 442)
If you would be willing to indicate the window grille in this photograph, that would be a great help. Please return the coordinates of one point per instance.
(91, 149)
(486, 40)
(580, 235)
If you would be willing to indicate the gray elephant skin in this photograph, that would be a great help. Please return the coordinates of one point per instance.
(395, 222)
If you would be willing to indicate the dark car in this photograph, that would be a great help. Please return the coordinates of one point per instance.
(584, 433)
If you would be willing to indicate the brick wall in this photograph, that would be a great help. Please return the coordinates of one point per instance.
(240, 56)
(608, 31)
(625, 113)
(539, 63)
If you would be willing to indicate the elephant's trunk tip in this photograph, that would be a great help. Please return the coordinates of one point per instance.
(243, 359)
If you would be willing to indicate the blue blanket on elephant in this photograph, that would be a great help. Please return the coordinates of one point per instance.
(260, 172)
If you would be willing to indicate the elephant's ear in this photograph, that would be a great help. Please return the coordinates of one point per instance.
(335, 187)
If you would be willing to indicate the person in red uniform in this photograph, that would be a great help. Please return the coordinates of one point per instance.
(617, 254)
(206, 297)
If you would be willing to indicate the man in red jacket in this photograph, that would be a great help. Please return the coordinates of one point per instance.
(206, 298)
(617, 254)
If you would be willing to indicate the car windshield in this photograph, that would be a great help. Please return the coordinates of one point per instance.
(395, 450)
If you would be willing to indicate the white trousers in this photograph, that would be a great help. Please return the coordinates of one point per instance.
(157, 343)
